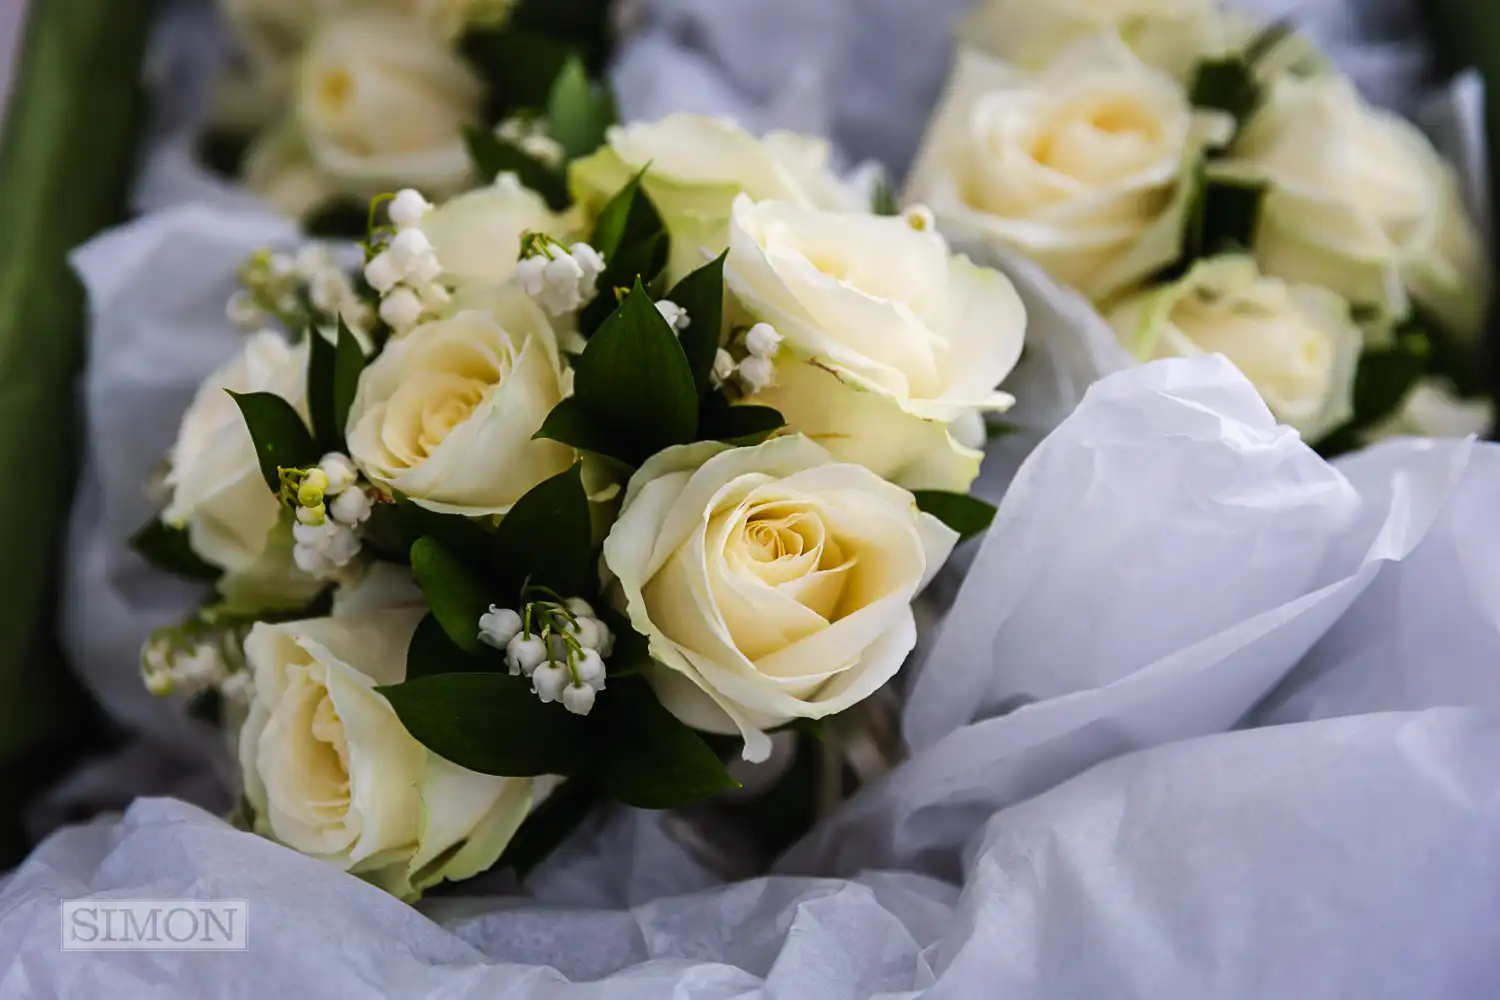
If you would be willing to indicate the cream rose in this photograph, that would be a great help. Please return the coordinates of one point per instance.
(217, 491)
(698, 165)
(1297, 344)
(1433, 409)
(477, 235)
(773, 584)
(1174, 35)
(888, 337)
(446, 414)
(1085, 167)
(1360, 203)
(381, 102)
(330, 771)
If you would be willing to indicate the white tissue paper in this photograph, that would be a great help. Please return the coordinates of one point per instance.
(1209, 718)
(1203, 716)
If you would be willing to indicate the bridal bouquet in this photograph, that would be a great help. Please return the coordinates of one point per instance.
(526, 503)
(326, 103)
(1213, 186)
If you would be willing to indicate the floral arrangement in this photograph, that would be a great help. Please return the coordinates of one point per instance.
(529, 504)
(328, 103)
(1213, 186)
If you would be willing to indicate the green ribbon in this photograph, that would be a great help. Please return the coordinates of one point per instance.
(66, 159)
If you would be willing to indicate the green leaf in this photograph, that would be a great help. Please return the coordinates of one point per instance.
(1231, 215)
(493, 156)
(577, 114)
(994, 429)
(969, 516)
(740, 425)
(337, 219)
(645, 757)
(585, 26)
(634, 379)
(321, 361)
(518, 67)
(1226, 85)
(550, 824)
(490, 723)
(431, 652)
(571, 424)
(1222, 217)
(702, 295)
(631, 236)
(1384, 377)
(632, 651)
(281, 439)
(457, 598)
(167, 548)
(547, 537)
(1263, 44)
(348, 365)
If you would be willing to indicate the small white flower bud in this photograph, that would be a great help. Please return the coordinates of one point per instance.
(724, 367)
(590, 668)
(676, 316)
(340, 472)
(524, 653)
(558, 646)
(407, 246)
(310, 560)
(311, 535)
(577, 698)
(757, 374)
(589, 259)
(563, 272)
(434, 296)
(920, 218)
(590, 632)
(424, 268)
(401, 309)
(351, 507)
(382, 273)
(498, 627)
(281, 265)
(243, 312)
(529, 273)
(548, 681)
(342, 546)
(312, 260)
(579, 607)
(407, 208)
(762, 340)
(312, 515)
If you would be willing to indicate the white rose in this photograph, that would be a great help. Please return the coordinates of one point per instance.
(477, 235)
(330, 771)
(1297, 344)
(1086, 167)
(772, 584)
(1361, 203)
(446, 414)
(217, 491)
(698, 165)
(381, 103)
(1174, 35)
(897, 338)
(1433, 409)
(279, 167)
